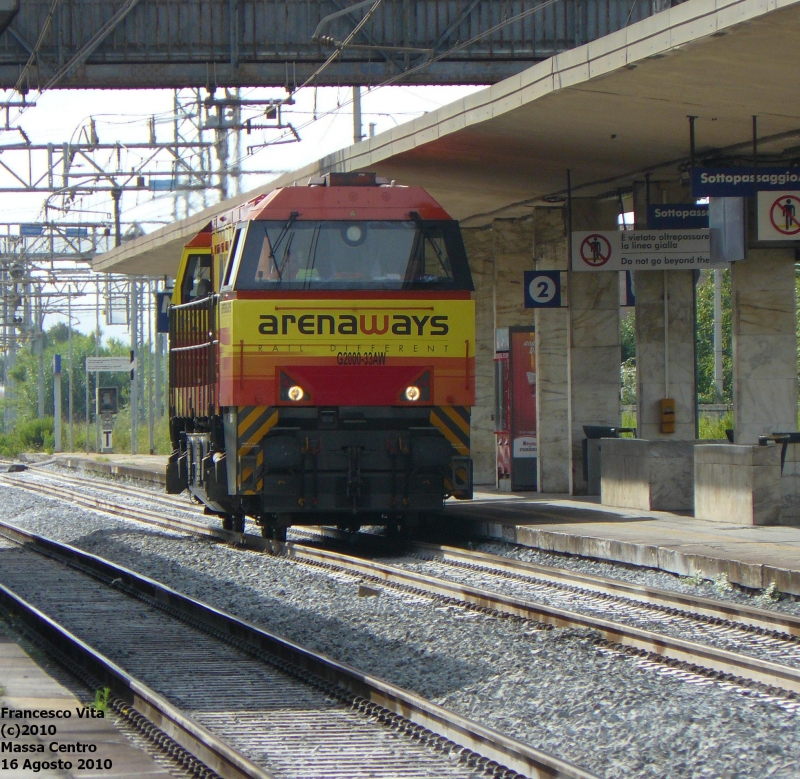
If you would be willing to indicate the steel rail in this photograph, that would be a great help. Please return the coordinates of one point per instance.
(495, 746)
(193, 737)
(700, 657)
(111, 485)
(690, 605)
(740, 614)
(115, 509)
(668, 599)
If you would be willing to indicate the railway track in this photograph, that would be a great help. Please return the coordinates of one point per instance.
(124, 490)
(244, 702)
(763, 647)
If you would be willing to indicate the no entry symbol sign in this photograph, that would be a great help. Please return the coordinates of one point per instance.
(599, 251)
(778, 215)
(595, 250)
(785, 214)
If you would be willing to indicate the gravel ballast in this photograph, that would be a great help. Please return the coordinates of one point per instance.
(707, 588)
(550, 688)
(622, 610)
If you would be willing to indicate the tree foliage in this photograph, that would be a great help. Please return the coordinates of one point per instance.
(23, 378)
(628, 334)
(705, 340)
(706, 388)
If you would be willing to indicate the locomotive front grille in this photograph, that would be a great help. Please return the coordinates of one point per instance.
(348, 459)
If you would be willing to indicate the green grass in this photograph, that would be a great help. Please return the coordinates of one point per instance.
(771, 594)
(628, 419)
(712, 428)
(122, 435)
(36, 435)
(101, 697)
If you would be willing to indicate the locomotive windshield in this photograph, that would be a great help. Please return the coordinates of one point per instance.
(298, 254)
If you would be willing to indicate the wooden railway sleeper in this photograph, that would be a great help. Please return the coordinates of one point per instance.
(393, 721)
(171, 749)
(755, 630)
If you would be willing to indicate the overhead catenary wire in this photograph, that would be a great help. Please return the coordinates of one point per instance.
(399, 77)
(387, 82)
(20, 85)
(312, 78)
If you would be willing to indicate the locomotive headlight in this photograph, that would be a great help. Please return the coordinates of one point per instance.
(412, 393)
(295, 393)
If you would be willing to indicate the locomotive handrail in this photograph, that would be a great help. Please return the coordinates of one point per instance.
(204, 345)
(199, 303)
(193, 363)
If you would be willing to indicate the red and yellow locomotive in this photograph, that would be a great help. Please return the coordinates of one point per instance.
(322, 359)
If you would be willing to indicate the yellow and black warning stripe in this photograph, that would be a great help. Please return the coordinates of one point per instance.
(254, 422)
(453, 423)
(251, 458)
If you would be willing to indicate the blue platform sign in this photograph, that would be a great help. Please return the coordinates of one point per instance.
(31, 230)
(742, 182)
(162, 306)
(542, 289)
(677, 216)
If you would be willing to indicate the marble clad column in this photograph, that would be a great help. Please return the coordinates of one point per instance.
(552, 359)
(764, 344)
(479, 244)
(513, 255)
(651, 382)
(594, 339)
(656, 379)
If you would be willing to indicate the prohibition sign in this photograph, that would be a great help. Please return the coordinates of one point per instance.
(596, 250)
(784, 214)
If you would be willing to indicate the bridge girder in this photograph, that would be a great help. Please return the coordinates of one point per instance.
(238, 43)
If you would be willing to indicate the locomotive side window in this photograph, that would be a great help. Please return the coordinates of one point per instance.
(429, 260)
(353, 255)
(196, 282)
(231, 259)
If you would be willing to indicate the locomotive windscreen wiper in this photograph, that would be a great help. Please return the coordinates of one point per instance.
(427, 236)
(274, 247)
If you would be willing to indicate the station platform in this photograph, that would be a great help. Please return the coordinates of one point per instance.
(751, 556)
(28, 686)
(144, 467)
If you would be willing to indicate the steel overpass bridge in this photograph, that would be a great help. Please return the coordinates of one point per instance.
(282, 43)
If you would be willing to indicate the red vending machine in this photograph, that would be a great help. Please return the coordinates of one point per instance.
(515, 412)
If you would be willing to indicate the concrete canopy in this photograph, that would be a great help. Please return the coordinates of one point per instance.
(608, 111)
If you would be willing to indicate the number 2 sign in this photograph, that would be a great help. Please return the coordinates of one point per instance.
(542, 289)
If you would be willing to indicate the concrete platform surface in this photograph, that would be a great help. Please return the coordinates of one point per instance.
(752, 556)
(146, 467)
(27, 686)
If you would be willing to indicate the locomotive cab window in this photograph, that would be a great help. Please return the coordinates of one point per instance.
(231, 261)
(196, 282)
(300, 254)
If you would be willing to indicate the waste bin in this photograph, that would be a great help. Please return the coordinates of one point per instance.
(591, 454)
